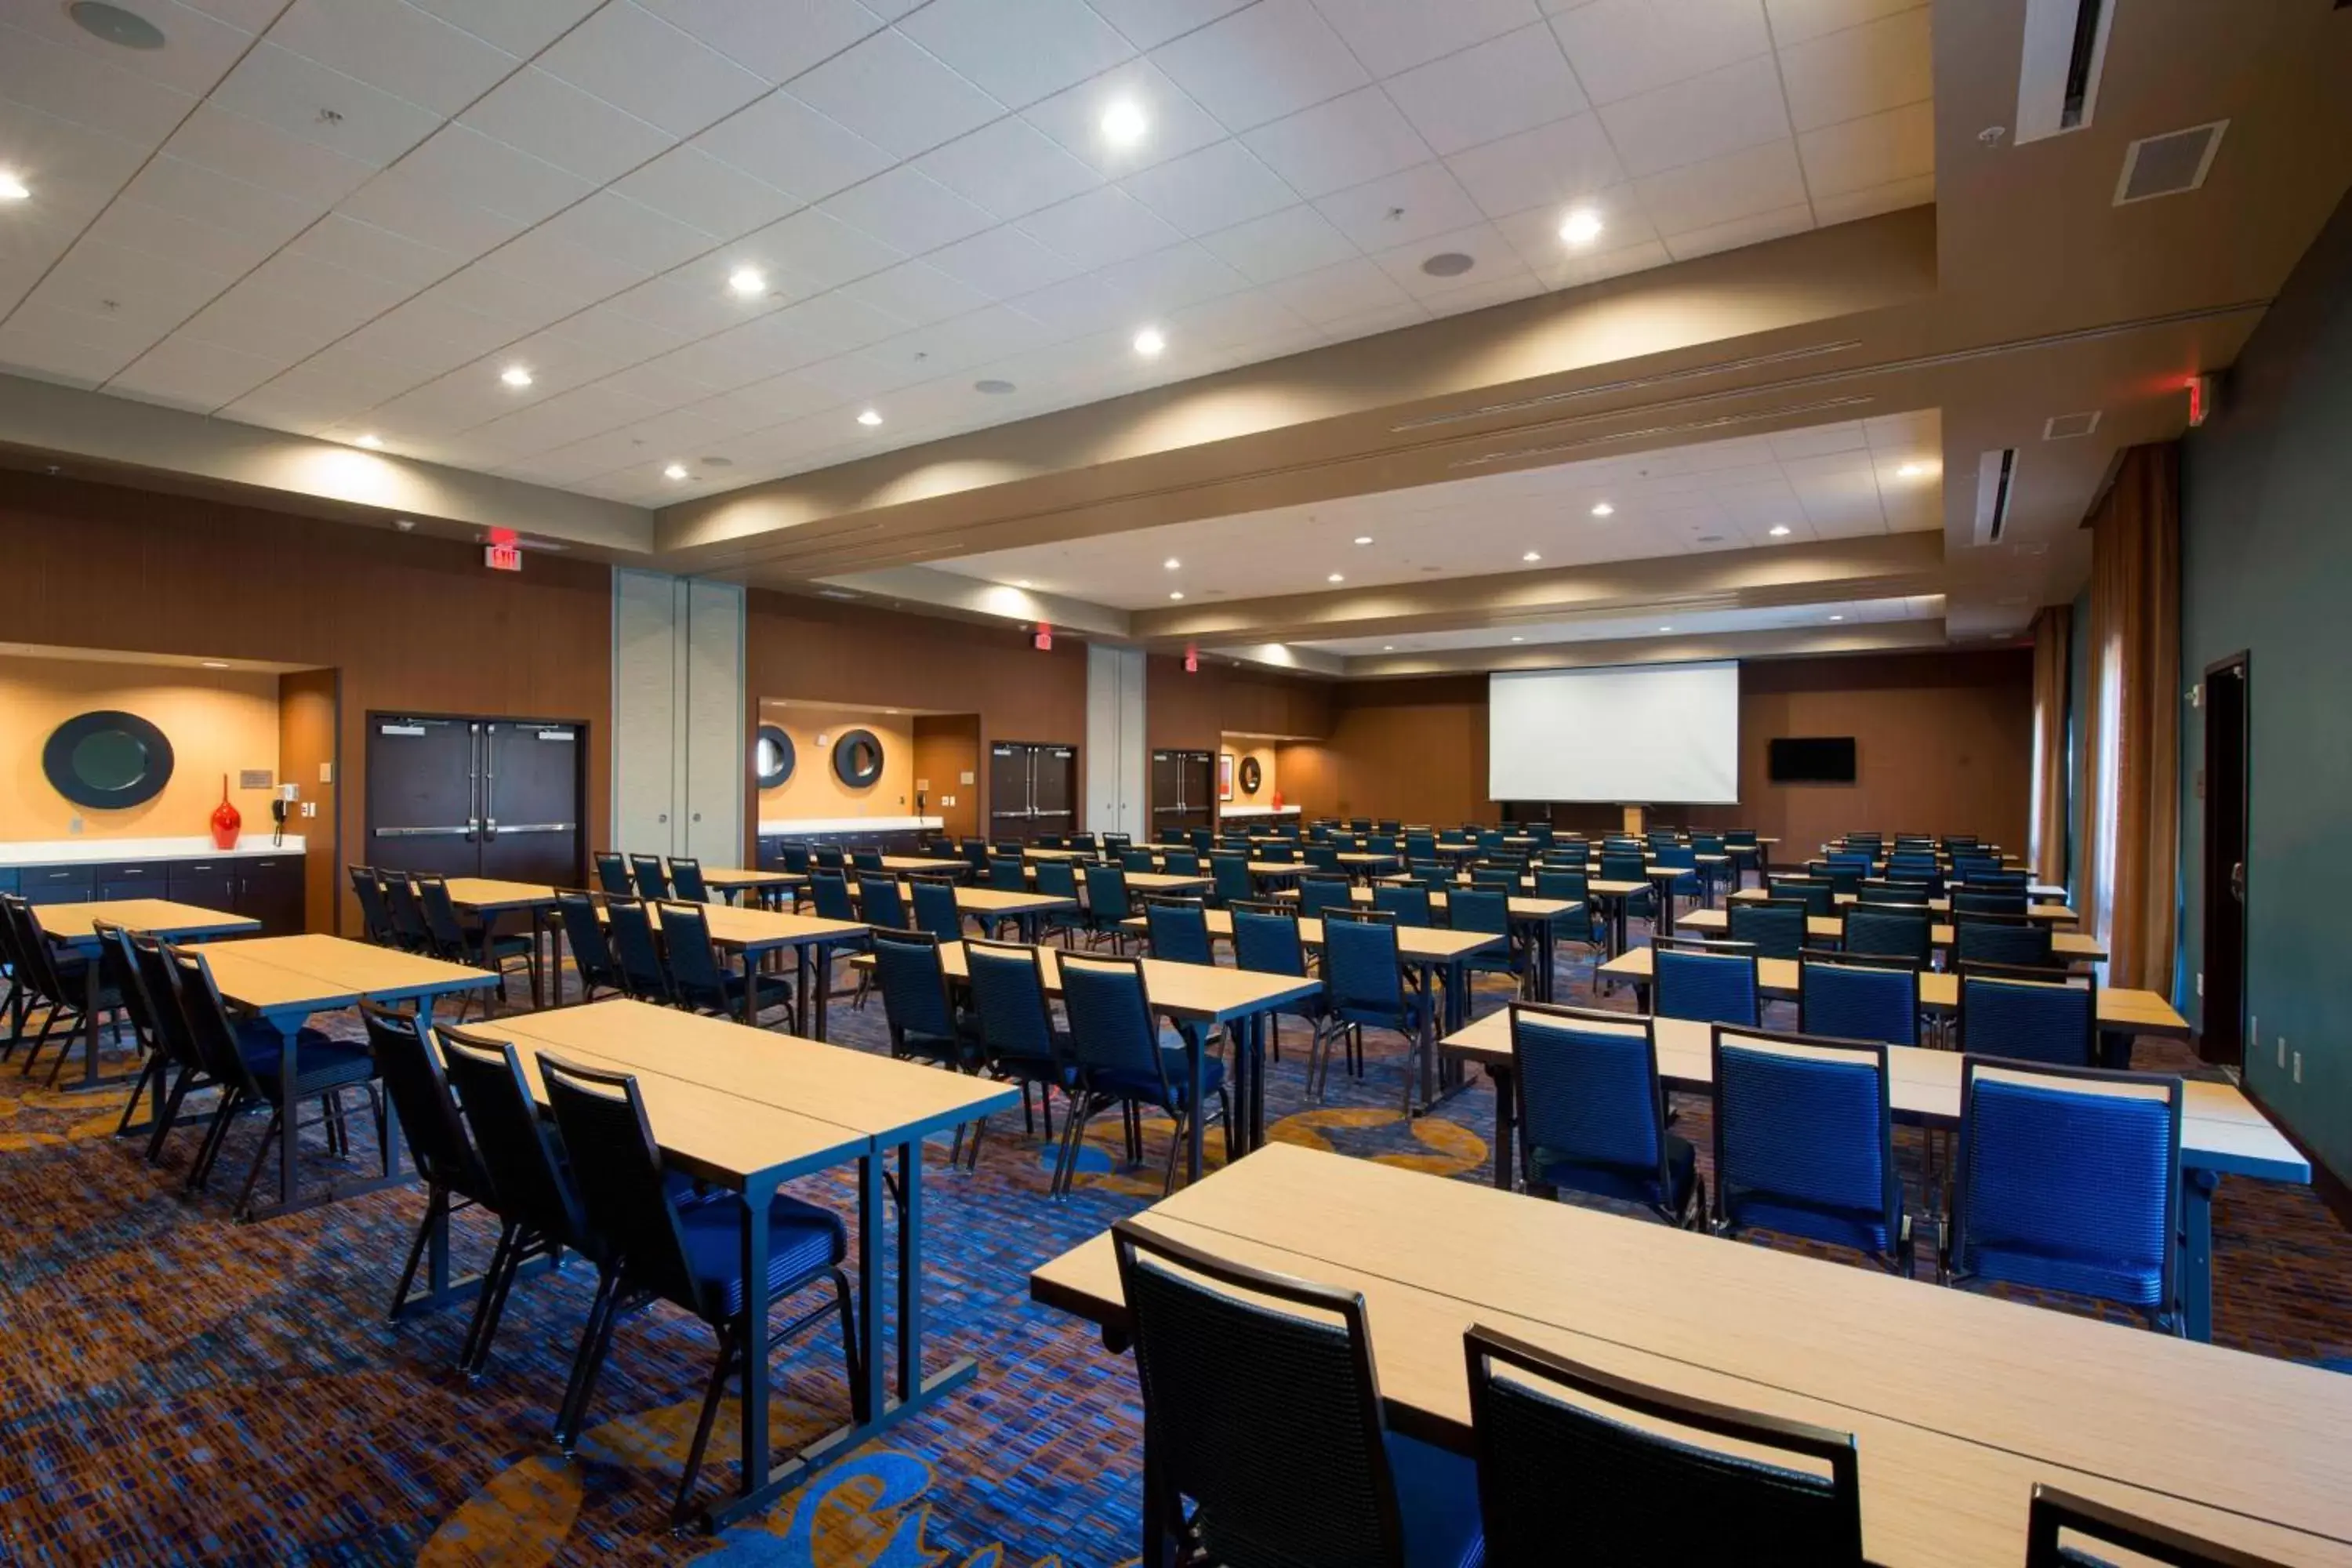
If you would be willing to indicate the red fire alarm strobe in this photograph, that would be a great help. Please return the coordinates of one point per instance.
(1192, 661)
(1044, 641)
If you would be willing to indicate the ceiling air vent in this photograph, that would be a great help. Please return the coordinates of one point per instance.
(1995, 472)
(2058, 72)
(2168, 164)
(2070, 426)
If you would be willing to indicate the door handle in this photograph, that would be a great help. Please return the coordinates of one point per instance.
(2238, 881)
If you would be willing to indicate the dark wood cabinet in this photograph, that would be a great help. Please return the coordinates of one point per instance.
(268, 888)
(207, 884)
(130, 879)
(56, 884)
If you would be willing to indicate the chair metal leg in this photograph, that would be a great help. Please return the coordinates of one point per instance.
(595, 1340)
(491, 1306)
(437, 1212)
(200, 1168)
(847, 1304)
(173, 1099)
(1074, 1130)
(711, 1396)
(275, 1129)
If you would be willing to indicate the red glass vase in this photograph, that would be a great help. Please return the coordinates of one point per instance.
(226, 823)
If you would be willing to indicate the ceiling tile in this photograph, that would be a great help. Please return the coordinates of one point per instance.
(465, 165)
(895, 95)
(43, 318)
(1250, 320)
(125, 290)
(287, 91)
(1622, 48)
(261, 155)
(76, 169)
(174, 240)
(1335, 293)
(907, 211)
(1737, 186)
(522, 28)
(560, 124)
(777, 38)
(1875, 150)
(1739, 106)
(1481, 242)
(1564, 162)
(815, 251)
(1018, 51)
(1099, 227)
(540, 278)
(1498, 88)
(914, 292)
(201, 47)
(1002, 262)
(1148, 24)
(1861, 70)
(1345, 141)
(1009, 167)
(1392, 35)
(348, 243)
(610, 225)
(1076, 306)
(1795, 21)
(697, 190)
(411, 204)
(1274, 58)
(1173, 278)
(1218, 186)
(1175, 125)
(28, 347)
(784, 142)
(1281, 245)
(1754, 229)
(406, 52)
(1382, 213)
(1576, 268)
(290, 309)
(62, 80)
(1852, 205)
(1535, 234)
(264, 218)
(636, 61)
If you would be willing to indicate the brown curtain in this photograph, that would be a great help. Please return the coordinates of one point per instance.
(2051, 644)
(2132, 803)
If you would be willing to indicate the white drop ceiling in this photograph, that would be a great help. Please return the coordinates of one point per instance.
(1675, 622)
(345, 216)
(1824, 482)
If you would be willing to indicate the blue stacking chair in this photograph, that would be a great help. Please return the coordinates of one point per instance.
(1710, 981)
(2014, 941)
(1231, 874)
(1316, 894)
(1845, 1000)
(1366, 982)
(1270, 1444)
(1580, 924)
(1182, 863)
(2024, 1015)
(1818, 897)
(1408, 902)
(1485, 910)
(1009, 873)
(2068, 1179)
(1201, 839)
(1920, 868)
(1878, 931)
(1179, 930)
(686, 877)
(1804, 1143)
(636, 951)
(865, 860)
(2053, 1516)
(934, 908)
(689, 1255)
(2002, 878)
(1277, 853)
(1580, 1465)
(1057, 879)
(1421, 845)
(974, 852)
(612, 874)
(1108, 907)
(1711, 876)
(797, 858)
(1137, 860)
(1969, 900)
(1682, 858)
(697, 981)
(1628, 866)
(1323, 858)
(1018, 1039)
(1592, 1112)
(651, 882)
(1912, 893)
(880, 902)
(917, 1007)
(1266, 939)
(1773, 928)
(1839, 872)
(1433, 875)
(1502, 879)
(1116, 1045)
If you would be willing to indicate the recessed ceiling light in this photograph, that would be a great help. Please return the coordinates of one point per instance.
(214, 663)
(1336, 577)
(1023, 583)
(1603, 509)
(1914, 471)
(1582, 226)
(514, 375)
(12, 189)
(675, 471)
(748, 281)
(1518, 639)
(870, 418)
(370, 442)
(1176, 594)
(1665, 628)
(1363, 538)
(1837, 617)
(1171, 564)
(893, 712)
(404, 523)
(1149, 342)
(1532, 555)
(993, 386)
(1123, 123)
(115, 24)
(1388, 648)
(1779, 531)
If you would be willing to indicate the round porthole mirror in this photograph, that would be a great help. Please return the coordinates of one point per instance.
(858, 759)
(772, 755)
(1252, 775)
(108, 760)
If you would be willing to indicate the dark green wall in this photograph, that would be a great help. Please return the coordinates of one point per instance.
(2266, 566)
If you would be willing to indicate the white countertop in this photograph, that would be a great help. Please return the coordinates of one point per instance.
(75, 851)
(1242, 811)
(786, 829)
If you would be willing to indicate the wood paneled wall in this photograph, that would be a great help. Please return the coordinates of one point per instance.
(414, 623)
(307, 742)
(1197, 712)
(947, 747)
(1944, 740)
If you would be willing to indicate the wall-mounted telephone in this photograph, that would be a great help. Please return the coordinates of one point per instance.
(282, 806)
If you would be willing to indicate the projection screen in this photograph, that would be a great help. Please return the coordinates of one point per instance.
(1639, 734)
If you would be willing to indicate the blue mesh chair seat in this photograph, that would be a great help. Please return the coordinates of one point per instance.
(1804, 1143)
(802, 1240)
(1711, 982)
(1263, 1415)
(1592, 1112)
(2068, 1179)
(1578, 1465)
(321, 1061)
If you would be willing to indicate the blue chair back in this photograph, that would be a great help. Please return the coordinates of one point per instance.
(1316, 894)
(865, 860)
(2014, 941)
(1592, 1112)
(880, 902)
(1433, 875)
(1842, 878)
(2068, 1179)
(1322, 856)
(612, 874)
(915, 1005)
(1231, 873)
(1107, 898)
(1421, 845)
(1007, 873)
(934, 908)
(1506, 877)
(1966, 900)
(1114, 1039)
(528, 1182)
(1136, 860)
(1478, 910)
(1408, 902)
(1623, 865)
(1360, 967)
(1181, 863)
(1818, 897)
(652, 881)
(1267, 939)
(617, 1166)
(1911, 892)
(1804, 1140)
(1008, 992)
(1712, 988)
(631, 929)
(1774, 929)
(1178, 930)
(695, 975)
(686, 877)
(829, 891)
(1858, 1001)
(1873, 930)
(1055, 880)
(437, 1140)
(1277, 853)
(2023, 1016)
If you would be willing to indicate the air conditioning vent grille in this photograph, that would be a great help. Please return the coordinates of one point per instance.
(1996, 472)
(2070, 426)
(2170, 165)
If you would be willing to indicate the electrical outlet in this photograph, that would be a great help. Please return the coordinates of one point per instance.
(2200, 983)
(309, 808)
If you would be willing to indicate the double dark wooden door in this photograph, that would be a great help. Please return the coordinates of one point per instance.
(1033, 789)
(477, 797)
(1183, 793)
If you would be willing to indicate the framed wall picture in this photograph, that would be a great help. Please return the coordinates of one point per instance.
(1224, 776)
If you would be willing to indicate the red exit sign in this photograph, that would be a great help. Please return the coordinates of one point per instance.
(502, 557)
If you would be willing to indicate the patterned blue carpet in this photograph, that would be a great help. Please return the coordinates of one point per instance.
(174, 1387)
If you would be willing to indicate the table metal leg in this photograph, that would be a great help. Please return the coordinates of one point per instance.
(89, 1022)
(2196, 1189)
(751, 988)
(1259, 1027)
(752, 1334)
(538, 967)
(822, 1002)
(1196, 1070)
(1506, 1121)
(1425, 978)
(910, 1269)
